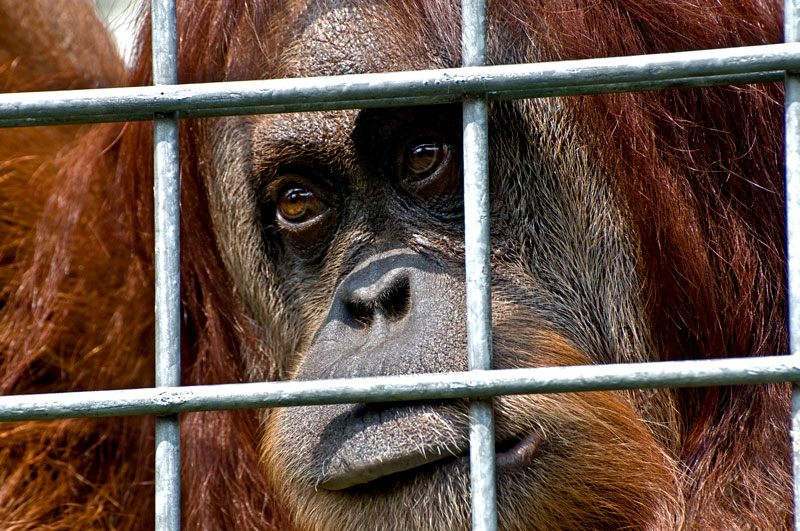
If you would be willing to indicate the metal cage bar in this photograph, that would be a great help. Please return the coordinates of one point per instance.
(727, 66)
(167, 258)
(477, 244)
(792, 187)
(165, 400)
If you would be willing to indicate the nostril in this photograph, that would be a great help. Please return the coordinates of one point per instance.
(361, 311)
(389, 297)
(396, 300)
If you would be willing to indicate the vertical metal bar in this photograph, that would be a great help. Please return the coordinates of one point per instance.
(792, 148)
(478, 268)
(167, 257)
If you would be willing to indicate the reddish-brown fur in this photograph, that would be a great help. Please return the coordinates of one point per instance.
(703, 185)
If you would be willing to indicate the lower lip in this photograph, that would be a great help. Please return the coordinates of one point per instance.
(522, 454)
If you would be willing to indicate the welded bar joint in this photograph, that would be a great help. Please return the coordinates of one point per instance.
(478, 268)
(167, 262)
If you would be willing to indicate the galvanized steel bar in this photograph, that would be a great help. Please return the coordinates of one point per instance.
(792, 175)
(676, 83)
(478, 269)
(167, 262)
(538, 380)
(734, 65)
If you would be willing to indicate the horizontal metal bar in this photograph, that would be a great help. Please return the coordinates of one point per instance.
(639, 86)
(643, 72)
(166, 400)
(582, 90)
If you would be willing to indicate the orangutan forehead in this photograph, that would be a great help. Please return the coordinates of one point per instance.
(347, 37)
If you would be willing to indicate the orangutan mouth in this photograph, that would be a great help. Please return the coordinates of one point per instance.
(513, 454)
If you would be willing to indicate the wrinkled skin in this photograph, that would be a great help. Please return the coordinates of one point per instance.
(349, 226)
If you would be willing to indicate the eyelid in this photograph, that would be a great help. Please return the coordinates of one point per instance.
(286, 178)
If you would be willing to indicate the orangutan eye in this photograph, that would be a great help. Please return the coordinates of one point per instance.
(428, 168)
(423, 159)
(297, 204)
(304, 212)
